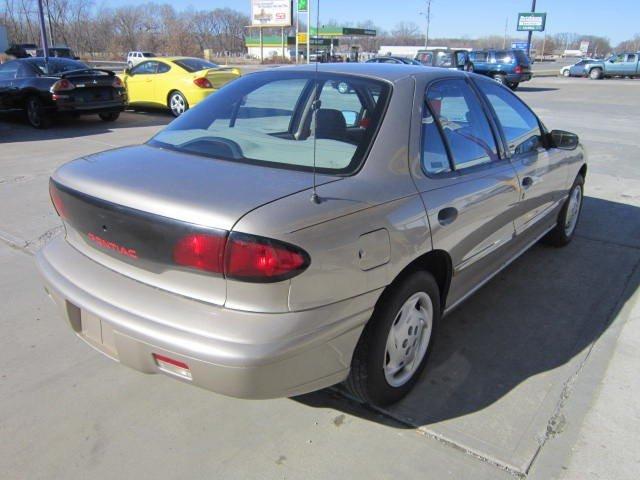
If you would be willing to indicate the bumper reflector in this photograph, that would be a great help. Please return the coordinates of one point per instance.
(172, 366)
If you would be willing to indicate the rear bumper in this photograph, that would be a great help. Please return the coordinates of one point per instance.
(195, 96)
(236, 353)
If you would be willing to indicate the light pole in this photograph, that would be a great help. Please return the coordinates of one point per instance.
(533, 9)
(43, 33)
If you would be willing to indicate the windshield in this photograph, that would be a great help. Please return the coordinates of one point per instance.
(57, 66)
(271, 118)
(194, 64)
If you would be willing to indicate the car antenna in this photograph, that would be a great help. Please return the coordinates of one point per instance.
(315, 106)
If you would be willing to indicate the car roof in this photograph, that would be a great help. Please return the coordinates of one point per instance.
(381, 71)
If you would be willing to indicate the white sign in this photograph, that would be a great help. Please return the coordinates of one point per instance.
(271, 13)
(584, 46)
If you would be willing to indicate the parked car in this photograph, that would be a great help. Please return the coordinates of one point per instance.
(393, 60)
(22, 50)
(176, 83)
(43, 88)
(453, 59)
(284, 236)
(577, 69)
(134, 58)
(620, 65)
(509, 67)
(58, 52)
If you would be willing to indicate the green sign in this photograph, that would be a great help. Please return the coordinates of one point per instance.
(531, 22)
(303, 5)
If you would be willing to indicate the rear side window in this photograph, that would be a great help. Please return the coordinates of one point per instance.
(632, 58)
(520, 126)
(8, 71)
(163, 67)
(463, 122)
(434, 153)
(503, 56)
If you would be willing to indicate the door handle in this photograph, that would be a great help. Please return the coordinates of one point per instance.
(447, 216)
(527, 182)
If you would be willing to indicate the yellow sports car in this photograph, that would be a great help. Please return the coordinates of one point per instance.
(175, 82)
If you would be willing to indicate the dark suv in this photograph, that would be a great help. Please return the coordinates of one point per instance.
(509, 67)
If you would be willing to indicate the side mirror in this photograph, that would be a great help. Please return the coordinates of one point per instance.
(564, 140)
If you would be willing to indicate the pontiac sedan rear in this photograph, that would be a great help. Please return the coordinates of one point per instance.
(302, 228)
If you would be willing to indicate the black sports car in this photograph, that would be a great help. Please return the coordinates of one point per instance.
(59, 85)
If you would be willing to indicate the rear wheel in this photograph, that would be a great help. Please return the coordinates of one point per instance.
(500, 78)
(595, 74)
(36, 116)
(565, 229)
(178, 103)
(109, 116)
(396, 343)
(514, 86)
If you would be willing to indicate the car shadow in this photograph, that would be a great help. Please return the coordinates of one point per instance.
(14, 127)
(536, 89)
(538, 314)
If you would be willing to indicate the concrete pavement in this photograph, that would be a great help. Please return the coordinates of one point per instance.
(530, 377)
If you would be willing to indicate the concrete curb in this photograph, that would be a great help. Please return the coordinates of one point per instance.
(555, 453)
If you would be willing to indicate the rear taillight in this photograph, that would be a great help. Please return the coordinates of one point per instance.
(202, 83)
(201, 251)
(257, 259)
(240, 256)
(117, 83)
(62, 85)
(56, 199)
(518, 69)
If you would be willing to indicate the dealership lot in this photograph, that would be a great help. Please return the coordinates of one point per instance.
(513, 374)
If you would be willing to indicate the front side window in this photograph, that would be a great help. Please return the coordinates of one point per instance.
(463, 122)
(520, 126)
(145, 68)
(425, 58)
(277, 119)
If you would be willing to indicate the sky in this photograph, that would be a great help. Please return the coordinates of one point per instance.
(615, 19)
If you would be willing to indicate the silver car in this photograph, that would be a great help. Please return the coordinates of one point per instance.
(307, 227)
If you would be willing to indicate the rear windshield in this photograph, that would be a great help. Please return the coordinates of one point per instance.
(57, 66)
(273, 118)
(194, 64)
(148, 54)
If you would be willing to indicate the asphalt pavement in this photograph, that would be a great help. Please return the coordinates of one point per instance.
(534, 376)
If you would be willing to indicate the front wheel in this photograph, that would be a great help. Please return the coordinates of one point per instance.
(109, 116)
(566, 73)
(568, 218)
(595, 74)
(396, 343)
(178, 104)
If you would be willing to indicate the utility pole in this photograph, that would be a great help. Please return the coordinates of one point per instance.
(506, 29)
(533, 9)
(427, 15)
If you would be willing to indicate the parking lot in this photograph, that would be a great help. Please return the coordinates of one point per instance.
(510, 387)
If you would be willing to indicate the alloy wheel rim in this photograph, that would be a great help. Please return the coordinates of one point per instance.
(408, 339)
(573, 210)
(32, 113)
(177, 104)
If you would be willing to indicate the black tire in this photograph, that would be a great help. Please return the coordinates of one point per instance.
(177, 103)
(36, 116)
(596, 74)
(366, 381)
(109, 116)
(500, 78)
(559, 236)
(514, 86)
(566, 73)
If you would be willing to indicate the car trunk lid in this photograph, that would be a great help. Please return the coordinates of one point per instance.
(219, 76)
(128, 208)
